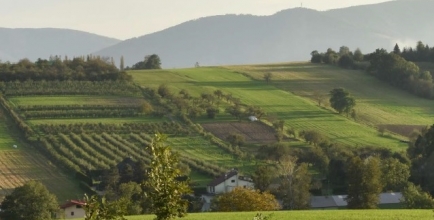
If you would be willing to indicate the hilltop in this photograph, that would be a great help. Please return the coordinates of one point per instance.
(34, 43)
(288, 35)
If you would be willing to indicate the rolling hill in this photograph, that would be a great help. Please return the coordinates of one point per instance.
(42, 42)
(289, 35)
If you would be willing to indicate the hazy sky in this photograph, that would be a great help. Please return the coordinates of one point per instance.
(125, 19)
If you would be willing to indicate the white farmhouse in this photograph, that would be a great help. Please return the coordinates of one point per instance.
(72, 209)
(228, 182)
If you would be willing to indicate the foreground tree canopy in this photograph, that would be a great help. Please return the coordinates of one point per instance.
(32, 201)
(164, 189)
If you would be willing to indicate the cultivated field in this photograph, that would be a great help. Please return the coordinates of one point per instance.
(254, 132)
(24, 163)
(298, 112)
(199, 148)
(377, 102)
(311, 215)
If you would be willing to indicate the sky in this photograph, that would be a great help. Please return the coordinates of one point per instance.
(124, 19)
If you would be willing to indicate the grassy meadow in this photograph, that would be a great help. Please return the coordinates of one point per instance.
(309, 215)
(377, 102)
(298, 112)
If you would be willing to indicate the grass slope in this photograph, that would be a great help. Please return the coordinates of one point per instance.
(377, 102)
(310, 215)
(297, 111)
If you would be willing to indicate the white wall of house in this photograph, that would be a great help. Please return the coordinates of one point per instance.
(229, 185)
(74, 212)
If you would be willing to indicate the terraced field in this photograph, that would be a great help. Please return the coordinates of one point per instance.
(298, 112)
(21, 164)
(377, 102)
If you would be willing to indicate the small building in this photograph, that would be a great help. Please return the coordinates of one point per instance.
(72, 209)
(228, 182)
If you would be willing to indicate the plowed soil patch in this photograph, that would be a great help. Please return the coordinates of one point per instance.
(254, 132)
(403, 130)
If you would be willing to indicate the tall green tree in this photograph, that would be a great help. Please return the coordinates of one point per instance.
(122, 64)
(295, 183)
(153, 62)
(364, 183)
(358, 55)
(413, 197)
(394, 174)
(100, 209)
(396, 49)
(32, 201)
(341, 100)
(164, 189)
(262, 177)
(421, 154)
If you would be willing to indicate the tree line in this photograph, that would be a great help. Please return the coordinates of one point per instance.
(396, 67)
(89, 69)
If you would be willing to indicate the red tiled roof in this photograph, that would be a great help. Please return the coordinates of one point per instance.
(222, 178)
(72, 203)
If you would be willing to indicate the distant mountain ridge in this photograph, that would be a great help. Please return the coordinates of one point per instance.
(289, 35)
(33, 43)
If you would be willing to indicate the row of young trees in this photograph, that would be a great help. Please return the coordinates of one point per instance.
(68, 87)
(125, 128)
(91, 69)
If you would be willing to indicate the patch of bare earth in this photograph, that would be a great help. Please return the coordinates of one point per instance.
(254, 132)
(404, 130)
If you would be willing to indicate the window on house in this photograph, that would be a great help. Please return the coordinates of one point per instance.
(72, 213)
(233, 181)
(78, 206)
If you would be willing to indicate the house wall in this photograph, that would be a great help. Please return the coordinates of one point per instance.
(230, 184)
(78, 212)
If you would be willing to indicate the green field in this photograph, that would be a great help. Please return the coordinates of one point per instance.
(298, 112)
(377, 102)
(310, 215)
(198, 147)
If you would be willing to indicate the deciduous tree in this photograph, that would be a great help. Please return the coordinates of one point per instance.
(244, 199)
(262, 177)
(394, 175)
(415, 198)
(294, 184)
(364, 183)
(341, 100)
(164, 189)
(32, 201)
